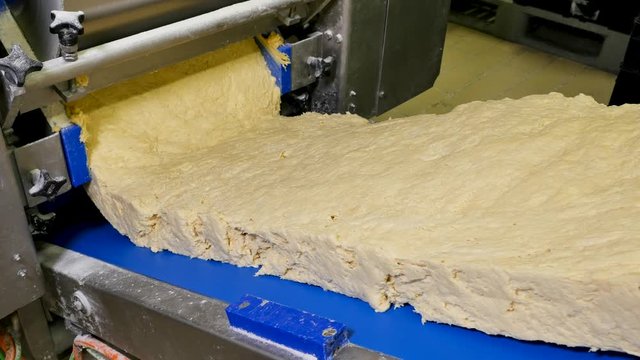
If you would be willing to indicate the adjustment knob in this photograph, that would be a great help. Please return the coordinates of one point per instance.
(44, 184)
(68, 26)
(17, 65)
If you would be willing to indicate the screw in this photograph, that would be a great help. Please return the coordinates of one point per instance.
(22, 273)
(339, 38)
(352, 107)
(244, 304)
(329, 332)
(328, 34)
(381, 94)
(16, 257)
(352, 93)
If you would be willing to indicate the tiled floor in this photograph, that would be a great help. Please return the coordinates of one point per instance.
(477, 66)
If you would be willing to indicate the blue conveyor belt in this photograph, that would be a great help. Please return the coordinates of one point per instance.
(397, 332)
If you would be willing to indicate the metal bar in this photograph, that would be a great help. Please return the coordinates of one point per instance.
(58, 70)
(147, 318)
(106, 76)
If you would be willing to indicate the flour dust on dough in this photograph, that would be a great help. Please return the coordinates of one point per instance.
(514, 217)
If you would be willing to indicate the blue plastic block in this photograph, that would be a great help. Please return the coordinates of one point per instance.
(280, 72)
(75, 155)
(296, 329)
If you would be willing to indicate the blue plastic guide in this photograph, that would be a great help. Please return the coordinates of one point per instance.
(284, 325)
(281, 73)
(75, 155)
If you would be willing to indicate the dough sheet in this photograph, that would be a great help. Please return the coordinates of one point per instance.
(514, 217)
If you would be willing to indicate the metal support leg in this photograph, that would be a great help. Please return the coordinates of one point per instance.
(35, 331)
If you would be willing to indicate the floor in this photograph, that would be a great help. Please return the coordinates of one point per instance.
(477, 66)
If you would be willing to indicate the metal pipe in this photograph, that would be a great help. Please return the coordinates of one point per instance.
(57, 70)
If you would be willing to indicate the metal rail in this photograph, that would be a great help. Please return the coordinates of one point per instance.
(58, 70)
(150, 319)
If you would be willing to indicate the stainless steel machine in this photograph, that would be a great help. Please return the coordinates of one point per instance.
(358, 56)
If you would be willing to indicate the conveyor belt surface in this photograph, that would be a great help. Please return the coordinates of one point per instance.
(397, 332)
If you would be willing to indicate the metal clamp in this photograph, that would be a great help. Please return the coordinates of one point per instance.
(68, 26)
(17, 65)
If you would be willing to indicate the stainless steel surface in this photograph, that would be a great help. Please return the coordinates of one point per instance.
(387, 51)
(413, 46)
(144, 317)
(353, 352)
(364, 42)
(34, 17)
(35, 331)
(22, 278)
(327, 95)
(45, 154)
(147, 318)
(302, 74)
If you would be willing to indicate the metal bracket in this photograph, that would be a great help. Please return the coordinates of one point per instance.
(307, 61)
(45, 154)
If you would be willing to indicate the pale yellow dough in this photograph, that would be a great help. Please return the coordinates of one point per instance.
(514, 217)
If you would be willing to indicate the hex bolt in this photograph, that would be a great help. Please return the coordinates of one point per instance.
(80, 303)
(352, 108)
(328, 34)
(381, 94)
(339, 38)
(352, 93)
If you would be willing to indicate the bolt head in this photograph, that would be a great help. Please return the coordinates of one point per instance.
(76, 304)
(339, 38)
(329, 332)
(80, 303)
(244, 304)
(328, 34)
